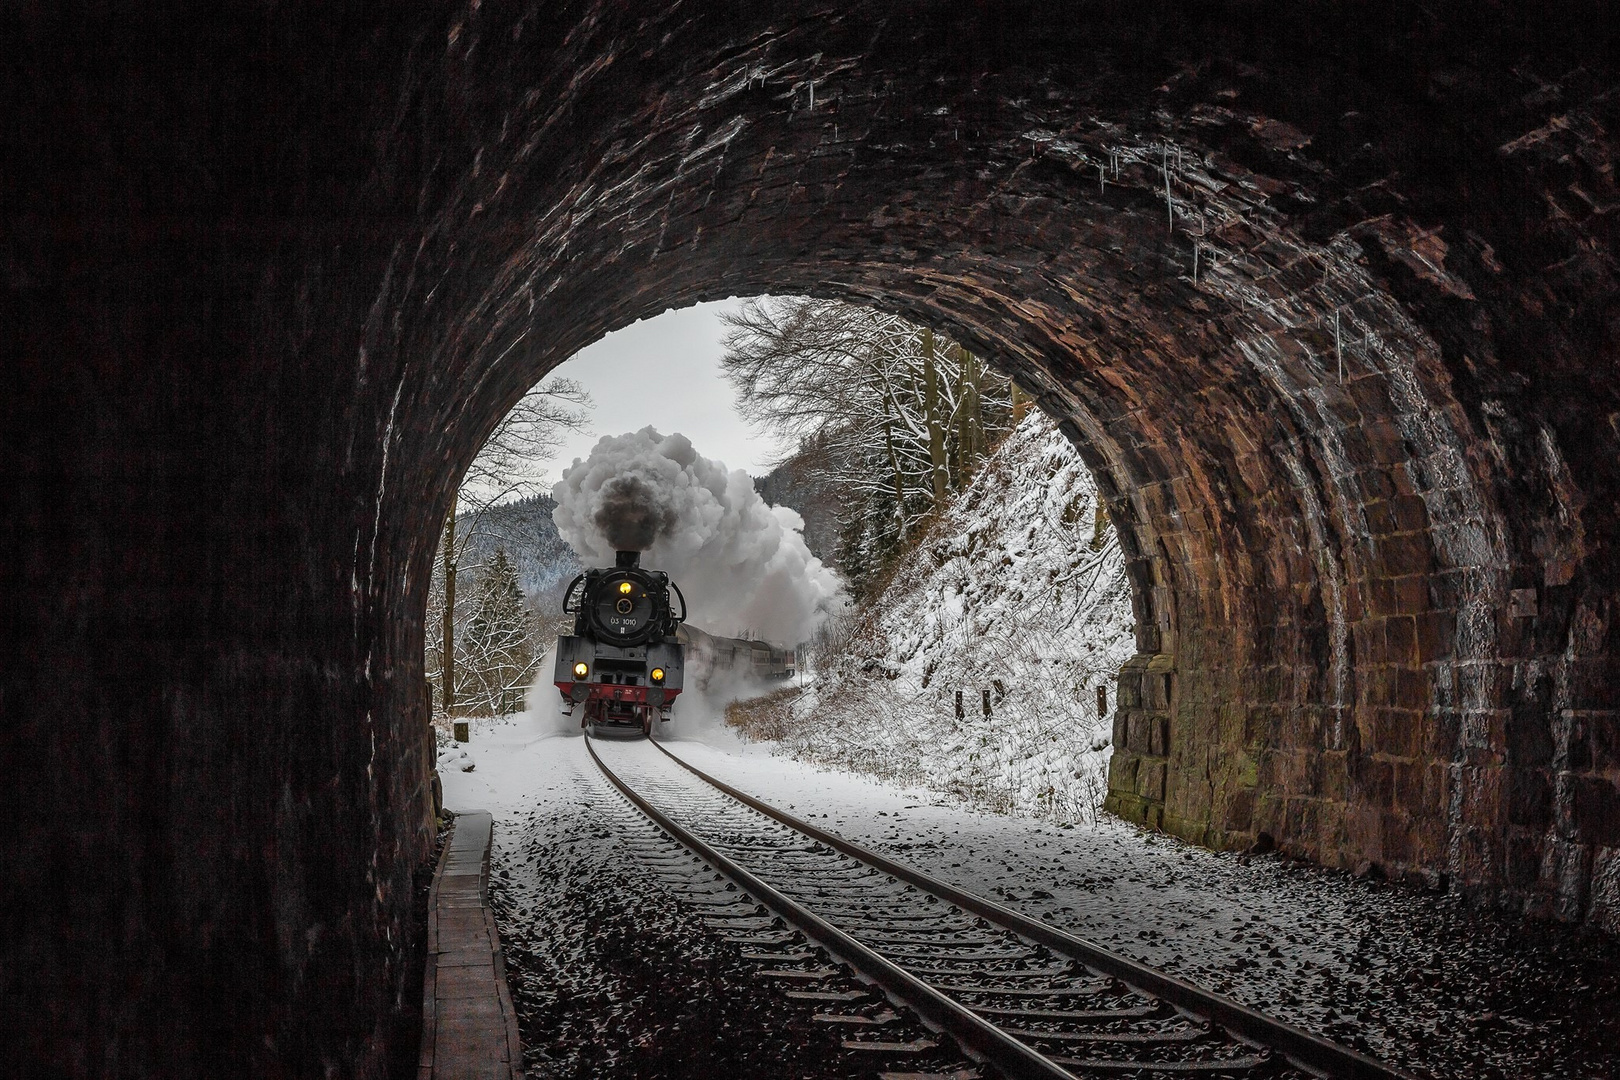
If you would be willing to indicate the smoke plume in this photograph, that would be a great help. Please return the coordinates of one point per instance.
(742, 564)
(630, 513)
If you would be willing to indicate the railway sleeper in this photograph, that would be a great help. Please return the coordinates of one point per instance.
(780, 957)
(826, 995)
(941, 953)
(971, 971)
(881, 1017)
(1077, 1016)
(943, 938)
(810, 974)
(872, 1046)
(1180, 1068)
(1175, 1035)
(1090, 988)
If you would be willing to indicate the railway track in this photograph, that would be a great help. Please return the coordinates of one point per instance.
(1024, 998)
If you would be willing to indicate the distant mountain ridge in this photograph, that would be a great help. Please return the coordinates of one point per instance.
(524, 527)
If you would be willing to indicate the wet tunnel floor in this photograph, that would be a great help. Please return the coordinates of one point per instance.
(612, 981)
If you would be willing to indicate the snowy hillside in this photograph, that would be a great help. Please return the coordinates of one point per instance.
(1015, 592)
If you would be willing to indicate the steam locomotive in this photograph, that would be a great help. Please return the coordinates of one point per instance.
(626, 661)
(623, 663)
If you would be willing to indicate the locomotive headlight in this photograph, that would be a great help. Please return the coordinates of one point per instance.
(657, 674)
(581, 669)
(624, 588)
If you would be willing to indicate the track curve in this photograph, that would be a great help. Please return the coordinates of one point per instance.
(1022, 996)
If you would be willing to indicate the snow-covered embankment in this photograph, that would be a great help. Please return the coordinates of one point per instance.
(1013, 592)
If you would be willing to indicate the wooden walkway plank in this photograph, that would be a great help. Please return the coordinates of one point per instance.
(469, 1028)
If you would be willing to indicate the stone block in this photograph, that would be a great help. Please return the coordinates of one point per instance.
(1443, 727)
(1373, 781)
(1159, 735)
(1409, 777)
(1130, 689)
(1377, 484)
(1368, 638)
(1602, 738)
(1603, 893)
(1593, 683)
(1436, 634)
(1411, 594)
(1396, 842)
(1410, 688)
(1150, 780)
(1566, 867)
(1139, 736)
(1380, 517)
(1261, 724)
(1300, 821)
(1400, 640)
(1411, 513)
(1528, 739)
(1333, 776)
(1437, 786)
(1398, 732)
(1596, 809)
(1239, 811)
(1122, 771)
(1521, 865)
(1484, 792)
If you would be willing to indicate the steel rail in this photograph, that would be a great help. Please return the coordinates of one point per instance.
(1302, 1048)
(975, 1034)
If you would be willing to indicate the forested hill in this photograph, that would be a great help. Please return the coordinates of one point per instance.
(805, 483)
(545, 564)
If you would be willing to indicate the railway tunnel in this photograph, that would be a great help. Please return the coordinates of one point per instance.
(1325, 294)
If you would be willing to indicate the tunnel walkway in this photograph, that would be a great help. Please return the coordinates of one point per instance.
(469, 1029)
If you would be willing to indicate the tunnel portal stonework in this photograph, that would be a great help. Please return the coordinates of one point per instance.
(1326, 294)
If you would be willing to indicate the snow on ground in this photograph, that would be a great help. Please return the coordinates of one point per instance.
(1013, 593)
(1433, 987)
(612, 975)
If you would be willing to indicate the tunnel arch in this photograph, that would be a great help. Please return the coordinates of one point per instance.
(273, 281)
(1319, 564)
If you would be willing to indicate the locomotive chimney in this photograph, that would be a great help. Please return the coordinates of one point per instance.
(631, 559)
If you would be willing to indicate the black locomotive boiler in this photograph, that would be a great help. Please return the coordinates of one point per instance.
(622, 667)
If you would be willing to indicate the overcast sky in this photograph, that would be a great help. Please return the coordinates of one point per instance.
(664, 371)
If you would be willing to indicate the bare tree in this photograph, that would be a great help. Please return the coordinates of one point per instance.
(507, 466)
(894, 404)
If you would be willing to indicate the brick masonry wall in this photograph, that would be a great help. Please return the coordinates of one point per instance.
(1324, 297)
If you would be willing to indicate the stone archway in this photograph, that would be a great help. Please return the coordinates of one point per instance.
(1326, 299)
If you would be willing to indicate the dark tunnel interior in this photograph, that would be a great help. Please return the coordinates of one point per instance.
(1325, 293)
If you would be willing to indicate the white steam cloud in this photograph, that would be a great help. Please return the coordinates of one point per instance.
(741, 564)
